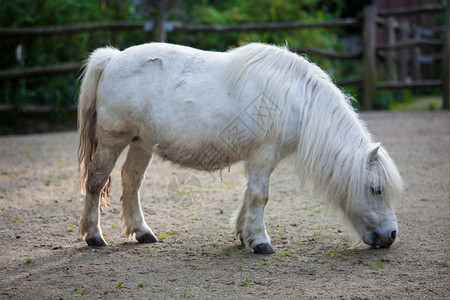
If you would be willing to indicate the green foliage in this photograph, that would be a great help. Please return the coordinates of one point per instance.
(143, 284)
(246, 282)
(59, 92)
(283, 254)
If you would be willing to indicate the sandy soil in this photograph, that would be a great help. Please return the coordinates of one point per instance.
(42, 256)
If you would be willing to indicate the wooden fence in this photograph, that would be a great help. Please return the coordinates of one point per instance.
(370, 20)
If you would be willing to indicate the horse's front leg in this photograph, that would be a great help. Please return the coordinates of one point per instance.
(249, 221)
(133, 172)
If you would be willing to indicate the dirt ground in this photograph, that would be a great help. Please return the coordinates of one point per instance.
(42, 256)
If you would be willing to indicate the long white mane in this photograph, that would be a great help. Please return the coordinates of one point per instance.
(334, 143)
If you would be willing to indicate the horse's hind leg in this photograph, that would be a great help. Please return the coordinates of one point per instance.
(133, 172)
(249, 221)
(98, 173)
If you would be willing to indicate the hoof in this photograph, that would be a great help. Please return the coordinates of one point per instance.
(263, 249)
(147, 238)
(95, 242)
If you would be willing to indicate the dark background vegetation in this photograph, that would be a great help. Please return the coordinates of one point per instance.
(60, 92)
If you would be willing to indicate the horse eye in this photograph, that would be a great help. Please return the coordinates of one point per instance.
(376, 190)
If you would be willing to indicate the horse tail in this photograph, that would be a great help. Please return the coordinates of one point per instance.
(87, 115)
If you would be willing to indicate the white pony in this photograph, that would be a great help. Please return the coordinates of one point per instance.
(207, 110)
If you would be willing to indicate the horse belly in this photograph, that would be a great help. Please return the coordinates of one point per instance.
(206, 157)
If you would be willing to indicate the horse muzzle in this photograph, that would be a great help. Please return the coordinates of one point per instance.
(380, 238)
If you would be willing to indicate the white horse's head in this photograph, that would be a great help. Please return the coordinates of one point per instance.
(373, 217)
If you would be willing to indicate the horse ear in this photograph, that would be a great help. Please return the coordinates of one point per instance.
(373, 154)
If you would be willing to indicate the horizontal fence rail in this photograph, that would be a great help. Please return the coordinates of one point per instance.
(427, 8)
(41, 71)
(172, 27)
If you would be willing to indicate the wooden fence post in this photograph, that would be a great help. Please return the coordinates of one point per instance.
(416, 56)
(446, 78)
(404, 53)
(369, 56)
(162, 11)
(392, 70)
(160, 30)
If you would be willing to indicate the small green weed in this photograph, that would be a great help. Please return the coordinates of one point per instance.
(143, 283)
(70, 229)
(283, 254)
(29, 260)
(239, 267)
(119, 286)
(330, 253)
(380, 265)
(266, 262)
(246, 282)
(162, 236)
(185, 294)
(229, 251)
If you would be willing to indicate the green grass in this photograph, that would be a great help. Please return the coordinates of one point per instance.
(185, 294)
(246, 282)
(143, 283)
(266, 262)
(417, 104)
(162, 236)
(283, 254)
(119, 285)
(14, 220)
